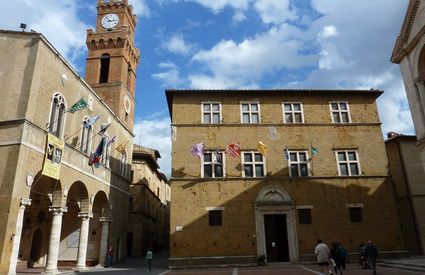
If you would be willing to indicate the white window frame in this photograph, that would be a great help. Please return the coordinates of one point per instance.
(57, 123)
(250, 112)
(298, 163)
(292, 112)
(86, 137)
(203, 162)
(211, 112)
(339, 111)
(348, 162)
(253, 163)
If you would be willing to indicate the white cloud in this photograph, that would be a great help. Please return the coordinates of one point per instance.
(155, 134)
(57, 20)
(218, 5)
(275, 11)
(140, 8)
(328, 31)
(177, 45)
(170, 77)
(244, 63)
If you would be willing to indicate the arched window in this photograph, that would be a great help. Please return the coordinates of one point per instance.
(123, 164)
(57, 112)
(104, 67)
(86, 135)
(106, 149)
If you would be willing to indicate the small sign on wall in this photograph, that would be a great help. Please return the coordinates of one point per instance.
(179, 228)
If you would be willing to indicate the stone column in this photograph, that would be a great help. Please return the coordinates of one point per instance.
(55, 234)
(17, 236)
(84, 237)
(103, 239)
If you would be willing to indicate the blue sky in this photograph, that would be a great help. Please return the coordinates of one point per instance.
(204, 44)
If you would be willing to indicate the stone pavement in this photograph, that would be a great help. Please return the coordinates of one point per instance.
(160, 267)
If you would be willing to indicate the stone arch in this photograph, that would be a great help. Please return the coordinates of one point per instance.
(77, 194)
(418, 65)
(101, 204)
(273, 194)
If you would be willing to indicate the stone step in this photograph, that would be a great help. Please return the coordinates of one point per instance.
(404, 266)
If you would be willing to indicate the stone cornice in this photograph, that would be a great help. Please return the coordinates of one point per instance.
(400, 51)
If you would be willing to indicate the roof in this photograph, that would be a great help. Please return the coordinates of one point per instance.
(170, 92)
(401, 137)
(401, 49)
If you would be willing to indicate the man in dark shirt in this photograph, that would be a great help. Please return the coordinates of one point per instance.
(371, 253)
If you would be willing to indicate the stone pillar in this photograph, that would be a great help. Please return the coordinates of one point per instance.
(55, 234)
(84, 237)
(17, 236)
(103, 239)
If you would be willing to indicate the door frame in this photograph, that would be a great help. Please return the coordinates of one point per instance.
(275, 200)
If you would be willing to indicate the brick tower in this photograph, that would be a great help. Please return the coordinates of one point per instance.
(113, 57)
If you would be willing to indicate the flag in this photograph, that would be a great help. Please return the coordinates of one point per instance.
(91, 121)
(216, 157)
(97, 156)
(234, 150)
(286, 154)
(81, 104)
(314, 150)
(197, 150)
(121, 148)
(262, 148)
(103, 128)
(112, 140)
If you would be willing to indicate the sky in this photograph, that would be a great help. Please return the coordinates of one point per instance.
(238, 44)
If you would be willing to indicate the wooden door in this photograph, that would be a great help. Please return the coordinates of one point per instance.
(276, 238)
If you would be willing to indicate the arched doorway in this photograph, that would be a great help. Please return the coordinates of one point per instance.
(77, 200)
(275, 225)
(100, 212)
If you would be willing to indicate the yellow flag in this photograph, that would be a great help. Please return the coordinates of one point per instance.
(262, 148)
(121, 148)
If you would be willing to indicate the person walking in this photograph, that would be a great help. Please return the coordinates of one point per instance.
(149, 257)
(109, 256)
(343, 255)
(323, 254)
(336, 257)
(371, 253)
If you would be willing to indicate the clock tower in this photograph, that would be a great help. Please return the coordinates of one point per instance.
(113, 57)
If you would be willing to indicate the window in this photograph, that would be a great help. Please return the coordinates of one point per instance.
(104, 68)
(304, 216)
(211, 113)
(348, 163)
(340, 112)
(250, 112)
(298, 163)
(293, 113)
(57, 112)
(253, 164)
(86, 135)
(355, 214)
(212, 165)
(214, 217)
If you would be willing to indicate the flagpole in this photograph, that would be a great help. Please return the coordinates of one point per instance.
(74, 133)
(311, 152)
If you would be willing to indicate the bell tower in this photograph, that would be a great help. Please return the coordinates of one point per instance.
(113, 57)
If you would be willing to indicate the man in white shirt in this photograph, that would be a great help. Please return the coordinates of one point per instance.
(323, 256)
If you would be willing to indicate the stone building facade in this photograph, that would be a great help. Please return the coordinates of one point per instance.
(409, 53)
(149, 216)
(70, 219)
(407, 173)
(323, 174)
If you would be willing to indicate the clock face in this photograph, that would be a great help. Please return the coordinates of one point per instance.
(110, 20)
